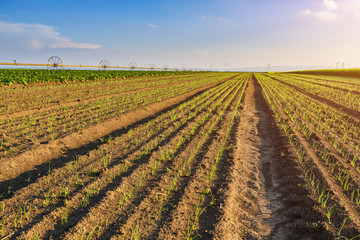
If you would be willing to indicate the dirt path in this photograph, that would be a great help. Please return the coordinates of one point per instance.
(266, 198)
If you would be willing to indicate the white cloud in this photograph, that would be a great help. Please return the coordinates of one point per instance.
(220, 18)
(322, 15)
(152, 25)
(38, 36)
(328, 14)
(330, 4)
(203, 53)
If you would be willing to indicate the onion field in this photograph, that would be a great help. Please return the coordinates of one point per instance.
(179, 155)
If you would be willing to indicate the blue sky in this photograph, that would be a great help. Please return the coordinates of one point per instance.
(187, 33)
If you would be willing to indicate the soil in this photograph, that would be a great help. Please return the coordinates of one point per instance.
(329, 180)
(263, 200)
(348, 111)
(257, 190)
(58, 103)
(22, 166)
(330, 86)
(327, 80)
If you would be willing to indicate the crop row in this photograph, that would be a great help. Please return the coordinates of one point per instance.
(39, 96)
(26, 76)
(354, 73)
(341, 161)
(140, 180)
(339, 131)
(81, 163)
(326, 171)
(118, 170)
(21, 133)
(348, 84)
(176, 184)
(345, 98)
(207, 197)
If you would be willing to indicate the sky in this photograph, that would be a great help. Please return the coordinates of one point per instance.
(184, 34)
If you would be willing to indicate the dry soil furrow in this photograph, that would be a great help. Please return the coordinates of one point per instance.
(54, 93)
(328, 179)
(72, 199)
(175, 223)
(345, 110)
(263, 201)
(147, 216)
(124, 149)
(26, 161)
(107, 199)
(325, 85)
(324, 143)
(324, 79)
(82, 101)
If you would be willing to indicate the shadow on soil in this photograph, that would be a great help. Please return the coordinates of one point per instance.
(8, 187)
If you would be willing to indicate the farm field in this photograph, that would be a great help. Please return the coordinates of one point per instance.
(192, 155)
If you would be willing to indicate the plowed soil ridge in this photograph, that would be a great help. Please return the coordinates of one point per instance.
(58, 93)
(322, 79)
(26, 162)
(263, 201)
(82, 101)
(121, 222)
(325, 143)
(48, 223)
(22, 134)
(325, 85)
(175, 223)
(348, 111)
(326, 180)
(154, 174)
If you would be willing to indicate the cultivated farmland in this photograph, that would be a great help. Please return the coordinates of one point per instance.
(179, 155)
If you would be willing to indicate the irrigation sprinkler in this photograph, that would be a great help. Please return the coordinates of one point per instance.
(54, 63)
(132, 65)
(104, 64)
